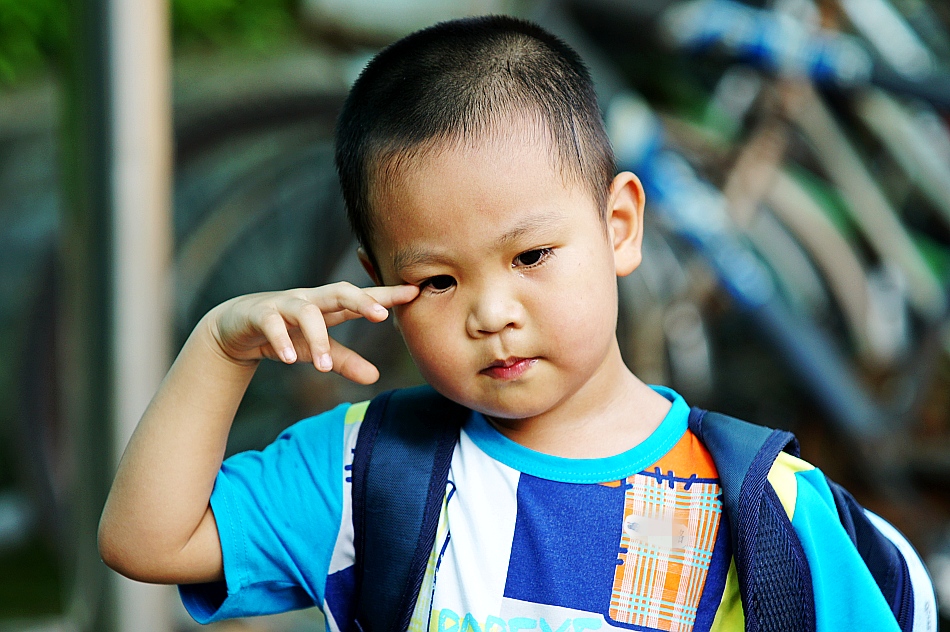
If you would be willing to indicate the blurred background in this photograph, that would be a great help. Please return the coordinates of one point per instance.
(158, 158)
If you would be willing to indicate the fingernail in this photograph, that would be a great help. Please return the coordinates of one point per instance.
(379, 309)
(325, 362)
(288, 355)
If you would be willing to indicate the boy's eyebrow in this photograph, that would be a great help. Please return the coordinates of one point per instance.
(412, 256)
(531, 224)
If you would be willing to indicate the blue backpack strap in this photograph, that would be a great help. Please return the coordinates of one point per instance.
(774, 578)
(400, 469)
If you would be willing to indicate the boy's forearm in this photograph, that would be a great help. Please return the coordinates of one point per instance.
(156, 525)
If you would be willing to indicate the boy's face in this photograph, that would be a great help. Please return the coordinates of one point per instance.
(517, 311)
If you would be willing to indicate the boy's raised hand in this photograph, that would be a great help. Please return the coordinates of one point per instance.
(291, 326)
(157, 525)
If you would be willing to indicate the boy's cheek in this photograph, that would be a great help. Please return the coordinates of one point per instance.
(425, 337)
(402, 314)
(412, 327)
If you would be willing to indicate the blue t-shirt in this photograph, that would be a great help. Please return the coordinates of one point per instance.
(528, 541)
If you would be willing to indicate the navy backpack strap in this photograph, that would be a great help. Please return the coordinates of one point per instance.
(400, 468)
(774, 578)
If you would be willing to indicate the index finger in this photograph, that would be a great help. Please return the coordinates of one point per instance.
(390, 295)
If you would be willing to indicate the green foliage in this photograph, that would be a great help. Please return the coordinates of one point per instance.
(34, 34)
(257, 24)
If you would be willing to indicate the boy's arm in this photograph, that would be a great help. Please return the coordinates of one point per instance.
(157, 525)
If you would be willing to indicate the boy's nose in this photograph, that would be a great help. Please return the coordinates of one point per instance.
(492, 312)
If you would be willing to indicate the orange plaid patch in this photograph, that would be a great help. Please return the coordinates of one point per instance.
(666, 547)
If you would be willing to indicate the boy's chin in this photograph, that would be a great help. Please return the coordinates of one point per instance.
(507, 409)
(530, 396)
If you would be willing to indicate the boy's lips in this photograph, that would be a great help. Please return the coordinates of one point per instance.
(509, 368)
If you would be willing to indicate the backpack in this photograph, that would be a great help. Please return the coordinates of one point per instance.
(400, 469)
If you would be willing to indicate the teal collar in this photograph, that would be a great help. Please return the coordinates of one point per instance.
(565, 470)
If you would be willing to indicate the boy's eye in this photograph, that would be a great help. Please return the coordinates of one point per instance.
(439, 283)
(532, 257)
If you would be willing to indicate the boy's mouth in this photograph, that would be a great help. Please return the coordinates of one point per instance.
(509, 368)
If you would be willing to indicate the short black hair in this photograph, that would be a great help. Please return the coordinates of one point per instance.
(455, 81)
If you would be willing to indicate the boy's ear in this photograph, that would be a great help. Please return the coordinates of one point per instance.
(368, 265)
(625, 221)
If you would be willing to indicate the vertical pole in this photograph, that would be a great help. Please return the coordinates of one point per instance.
(86, 320)
(116, 244)
(141, 224)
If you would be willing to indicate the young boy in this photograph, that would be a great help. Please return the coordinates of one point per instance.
(480, 182)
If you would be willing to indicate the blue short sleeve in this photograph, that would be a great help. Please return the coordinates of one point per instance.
(278, 514)
(846, 595)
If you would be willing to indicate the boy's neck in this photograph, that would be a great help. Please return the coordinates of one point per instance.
(613, 412)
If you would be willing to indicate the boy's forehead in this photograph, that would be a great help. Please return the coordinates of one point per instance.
(506, 142)
(463, 199)
(506, 161)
